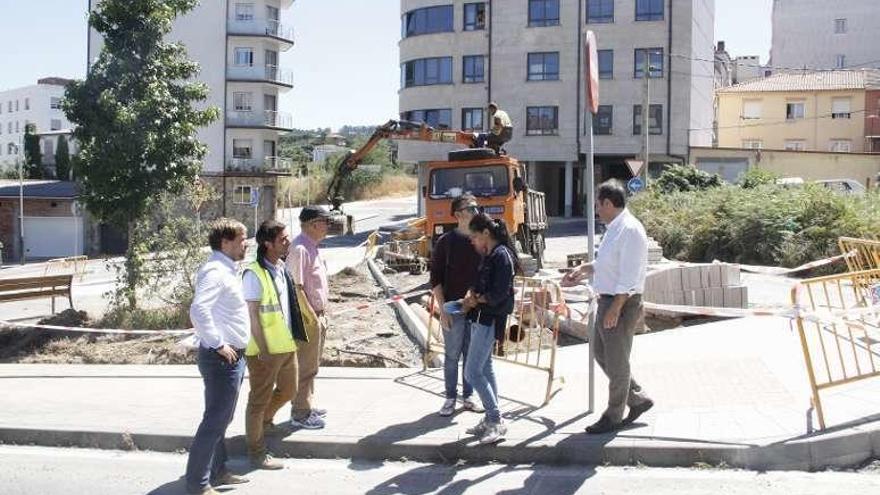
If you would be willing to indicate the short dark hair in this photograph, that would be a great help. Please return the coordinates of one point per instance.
(224, 228)
(268, 232)
(459, 201)
(613, 191)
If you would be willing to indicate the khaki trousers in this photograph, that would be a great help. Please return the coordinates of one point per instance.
(612, 349)
(309, 356)
(273, 382)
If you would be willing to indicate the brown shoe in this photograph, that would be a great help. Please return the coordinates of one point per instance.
(266, 463)
(229, 479)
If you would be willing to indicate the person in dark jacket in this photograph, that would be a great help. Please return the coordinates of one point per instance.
(490, 302)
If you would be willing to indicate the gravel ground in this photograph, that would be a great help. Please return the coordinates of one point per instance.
(369, 337)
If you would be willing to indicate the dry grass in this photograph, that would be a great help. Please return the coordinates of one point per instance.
(393, 186)
(299, 191)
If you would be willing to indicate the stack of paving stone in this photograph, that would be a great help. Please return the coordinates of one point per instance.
(655, 252)
(714, 285)
(529, 265)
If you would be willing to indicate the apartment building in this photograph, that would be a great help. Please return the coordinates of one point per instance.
(527, 55)
(38, 104)
(818, 34)
(240, 47)
(816, 111)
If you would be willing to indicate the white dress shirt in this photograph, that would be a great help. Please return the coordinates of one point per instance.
(218, 310)
(623, 257)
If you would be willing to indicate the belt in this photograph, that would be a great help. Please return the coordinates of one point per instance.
(611, 296)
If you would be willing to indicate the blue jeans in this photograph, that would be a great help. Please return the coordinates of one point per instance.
(455, 344)
(207, 455)
(478, 369)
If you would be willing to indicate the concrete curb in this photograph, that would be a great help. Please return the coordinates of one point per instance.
(411, 323)
(810, 454)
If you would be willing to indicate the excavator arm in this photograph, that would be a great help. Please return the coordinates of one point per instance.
(393, 129)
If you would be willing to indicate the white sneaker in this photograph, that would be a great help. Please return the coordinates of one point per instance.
(311, 422)
(448, 408)
(477, 429)
(468, 404)
(494, 433)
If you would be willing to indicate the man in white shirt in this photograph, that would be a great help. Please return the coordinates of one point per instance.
(619, 278)
(220, 317)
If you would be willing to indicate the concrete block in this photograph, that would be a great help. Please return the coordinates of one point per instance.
(696, 280)
(730, 275)
(715, 276)
(704, 276)
(699, 298)
(716, 297)
(732, 297)
(678, 298)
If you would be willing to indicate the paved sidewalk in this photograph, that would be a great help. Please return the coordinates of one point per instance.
(732, 391)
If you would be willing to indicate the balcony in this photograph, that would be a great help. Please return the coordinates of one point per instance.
(260, 73)
(269, 119)
(261, 27)
(269, 164)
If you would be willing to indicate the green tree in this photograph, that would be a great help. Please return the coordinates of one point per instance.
(62, 159)
(33, 157)
(135, 117)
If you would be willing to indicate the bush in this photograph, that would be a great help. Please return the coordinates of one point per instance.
(685, 178)
(764, 224)
(756, 177)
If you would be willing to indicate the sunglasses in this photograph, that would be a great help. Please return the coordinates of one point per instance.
(470, 208)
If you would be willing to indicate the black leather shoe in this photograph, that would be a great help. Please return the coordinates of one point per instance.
(636, 411)
(604, 425)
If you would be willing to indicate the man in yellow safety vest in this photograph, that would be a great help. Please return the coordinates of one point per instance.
(276, 325)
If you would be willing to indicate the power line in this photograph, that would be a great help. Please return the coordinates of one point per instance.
(850, 67)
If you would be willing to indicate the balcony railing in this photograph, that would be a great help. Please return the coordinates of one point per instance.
(274, 164)
(260, 27)
(271, 73)
(268, 118)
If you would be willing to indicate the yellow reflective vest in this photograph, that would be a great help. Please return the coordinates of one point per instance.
(278, 335)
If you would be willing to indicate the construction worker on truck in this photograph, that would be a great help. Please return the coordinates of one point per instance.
(501, 130)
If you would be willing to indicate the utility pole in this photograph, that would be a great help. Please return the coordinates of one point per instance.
(20, 161)
(646, 111)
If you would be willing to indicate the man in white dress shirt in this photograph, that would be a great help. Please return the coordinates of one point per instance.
(220, 317)
(619, 277)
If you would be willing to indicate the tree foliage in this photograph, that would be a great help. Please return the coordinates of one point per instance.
(62, 159)
(134, 114)
(685, 178)
(33, 157)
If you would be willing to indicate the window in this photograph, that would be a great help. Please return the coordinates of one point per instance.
(753, 144)
(795, 145)
(655, 119)
(473, 69)
(603, 120)
(241, 195)
(482, 181)
(16, 105)
(543, 13)
(427, 20)
(11, 149)
(17, 129)
(541, 121)
(840, 146)
(55, 125)
(655, 62)
(600, 11)
(840, 62)
(242, 148)
(794, 110)
(244, 12)
(10, 106)
(649, 10)
(606, 64)
(243, 102)
(27, 103)
(474, 16)
(9, 127)
(751, 109)
(427, 71)
(840, 26)
(55, 103)
(244, 57)
(439, 118)
(840, 108)
(472, 119)
(543, 66)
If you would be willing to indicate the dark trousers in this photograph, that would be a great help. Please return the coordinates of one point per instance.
(612, 349)
(207, 455)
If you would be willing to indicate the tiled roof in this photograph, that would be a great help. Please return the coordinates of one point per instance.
(830, 80)
(40, 189)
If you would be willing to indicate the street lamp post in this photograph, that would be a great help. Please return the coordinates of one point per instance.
(19, 151)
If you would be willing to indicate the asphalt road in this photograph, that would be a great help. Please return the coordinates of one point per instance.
(45, 471)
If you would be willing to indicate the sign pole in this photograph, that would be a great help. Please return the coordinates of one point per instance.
(592, 98)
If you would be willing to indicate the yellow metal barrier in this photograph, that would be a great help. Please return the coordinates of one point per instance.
(838, 328)
(531, 334)
(865, 253)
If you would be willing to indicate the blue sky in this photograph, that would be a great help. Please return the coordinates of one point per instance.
(345, 60)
